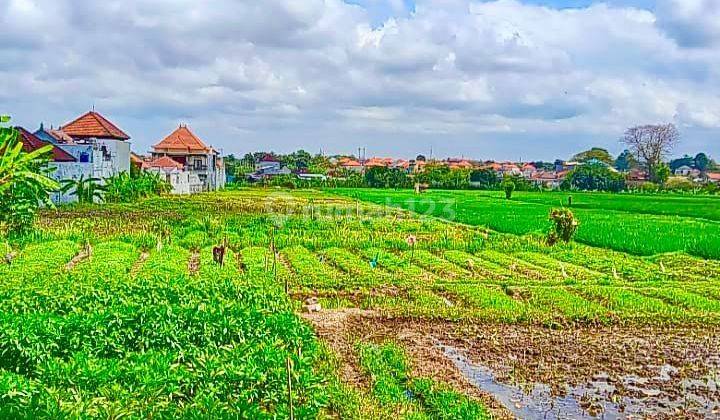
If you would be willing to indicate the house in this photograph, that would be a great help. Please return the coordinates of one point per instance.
(181, 181)
(63, 164)
(268, 162)
(712, 177)
(350, 165)
(528, 170)
(636, 177)
(683, 170)
(376, 162)
(185, 148)
(98, 141)
(549, 179)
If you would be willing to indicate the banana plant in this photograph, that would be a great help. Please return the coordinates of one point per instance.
(24, 181)
(86, 190)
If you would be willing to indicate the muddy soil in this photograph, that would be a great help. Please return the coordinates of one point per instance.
(627, 372)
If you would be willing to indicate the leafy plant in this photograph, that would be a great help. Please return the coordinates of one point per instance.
(86, 190)
(564, 226)
(509, 187)
(24, 181)
(128, 187)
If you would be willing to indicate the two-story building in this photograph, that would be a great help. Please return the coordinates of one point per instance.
(197, 158)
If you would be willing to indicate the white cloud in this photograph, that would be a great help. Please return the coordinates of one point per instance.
(323, 73)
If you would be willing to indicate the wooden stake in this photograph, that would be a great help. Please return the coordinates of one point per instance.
(289, 383)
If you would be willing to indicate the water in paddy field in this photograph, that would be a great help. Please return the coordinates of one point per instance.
(592, 400)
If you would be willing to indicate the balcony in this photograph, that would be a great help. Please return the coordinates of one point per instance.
(196, 168)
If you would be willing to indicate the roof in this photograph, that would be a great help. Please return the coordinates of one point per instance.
(351, 163)
(31, 143)
(164, 162)
(182, 140)
(92, 124)
(267, 157)
(715, 176)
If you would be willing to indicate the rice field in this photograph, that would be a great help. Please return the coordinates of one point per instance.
(637, 224)
(120, 310)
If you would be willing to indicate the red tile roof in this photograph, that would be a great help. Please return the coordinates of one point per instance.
(715, 176)
(182, 140)
(31, 143)
(164, 162)
(95, 125)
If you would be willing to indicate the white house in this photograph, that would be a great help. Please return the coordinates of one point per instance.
(99, 147)
(683, 170)
(181, 181)
(195, 157)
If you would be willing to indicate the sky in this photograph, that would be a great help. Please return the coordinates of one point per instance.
(505, 79)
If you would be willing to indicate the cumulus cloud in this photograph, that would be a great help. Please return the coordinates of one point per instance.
(500, 77)
(692, 23)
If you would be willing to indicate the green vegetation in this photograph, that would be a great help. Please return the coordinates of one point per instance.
(120, 310)
(643, 225)
(24, 181)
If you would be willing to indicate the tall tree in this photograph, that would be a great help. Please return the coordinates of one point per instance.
(651, 143)
(702, 162)
(625, 161)
(595, 153)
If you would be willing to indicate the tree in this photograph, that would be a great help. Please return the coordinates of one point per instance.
(702, 162)
(485, 179)
(683, 161)
(651, 143)
(625, 161)
(24, 181)
(660, 173)
(596, 153)
(594, 177)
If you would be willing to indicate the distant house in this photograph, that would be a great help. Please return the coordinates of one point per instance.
(549, 179)
(98, 141)
(528, 170)
(683, 170)
(64, 165)
(185, 148)
(268, 163)
(181, 181)
(636, 177)
(350, 165)
(712, 177)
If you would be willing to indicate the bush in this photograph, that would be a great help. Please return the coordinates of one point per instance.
(648, 187)
(509, 187)
(564, 226)
(679, 184)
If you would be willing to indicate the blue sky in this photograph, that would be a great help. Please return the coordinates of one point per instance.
(504, 79)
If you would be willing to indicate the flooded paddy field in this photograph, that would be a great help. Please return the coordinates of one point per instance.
(536, 372)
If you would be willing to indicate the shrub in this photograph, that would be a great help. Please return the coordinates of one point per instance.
(564, 226)
(509, 187)
(679, 184)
